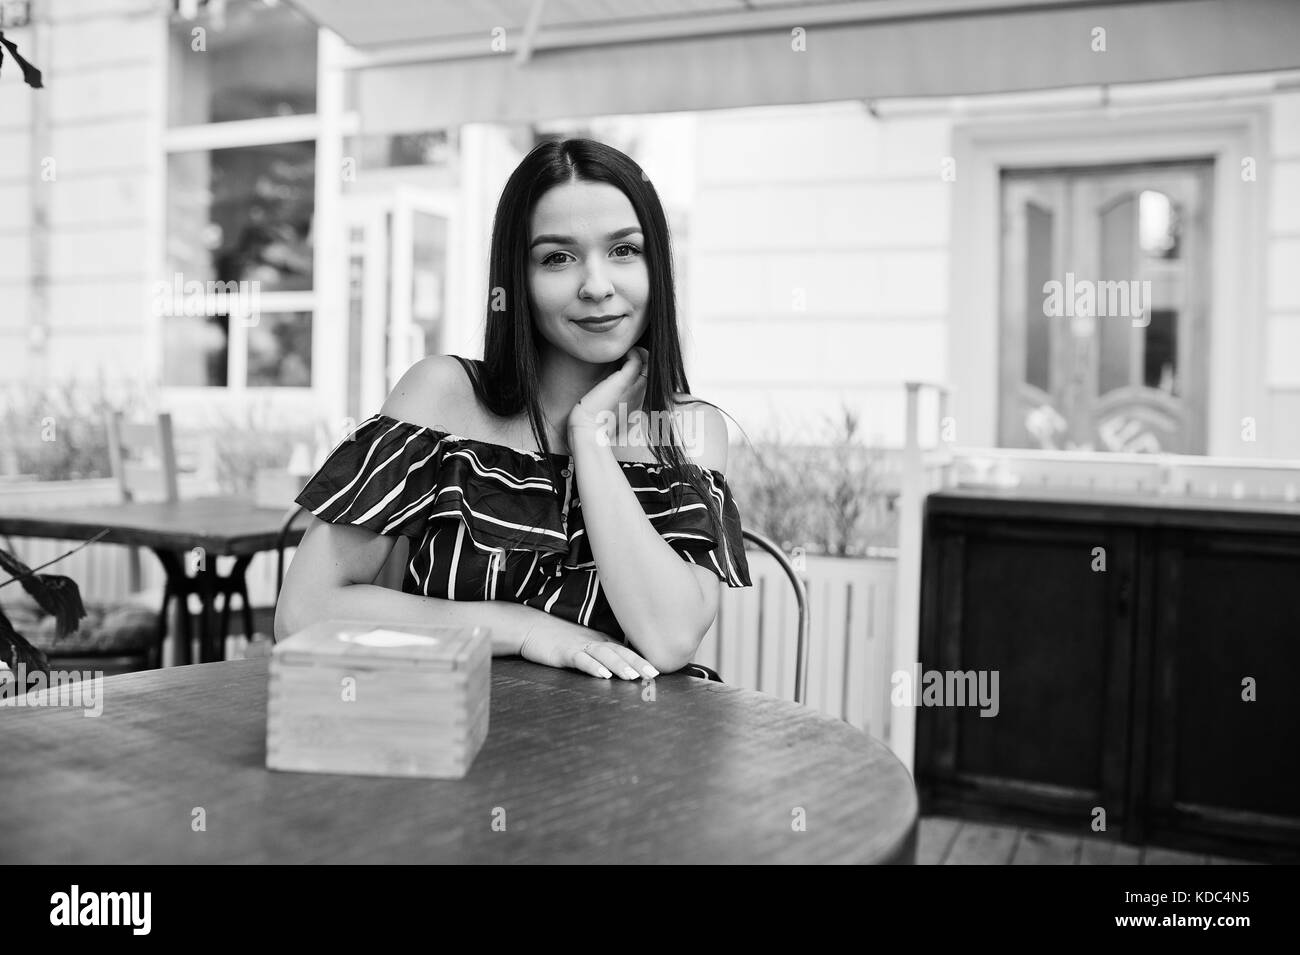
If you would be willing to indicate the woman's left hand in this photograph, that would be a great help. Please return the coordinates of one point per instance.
(597, 410)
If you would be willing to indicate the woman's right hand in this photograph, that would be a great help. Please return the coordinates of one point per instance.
(559, 643)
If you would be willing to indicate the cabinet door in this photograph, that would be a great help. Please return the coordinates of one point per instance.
(1223, 767)
(1050, 608)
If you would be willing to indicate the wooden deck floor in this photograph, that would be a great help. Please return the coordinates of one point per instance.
(946, 841)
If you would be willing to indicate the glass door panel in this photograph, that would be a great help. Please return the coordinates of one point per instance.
(1104, 318)
(423, 225)
(398, 286)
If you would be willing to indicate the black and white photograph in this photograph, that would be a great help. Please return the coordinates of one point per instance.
(650, 432)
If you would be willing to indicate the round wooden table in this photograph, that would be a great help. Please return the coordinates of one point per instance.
(574, 770)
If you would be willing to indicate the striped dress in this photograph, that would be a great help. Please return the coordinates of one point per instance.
(488, 522)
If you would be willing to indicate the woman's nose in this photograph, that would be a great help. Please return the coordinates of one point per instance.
(596, 284)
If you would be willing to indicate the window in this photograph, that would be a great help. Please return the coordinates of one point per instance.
(438, 148)
(243, 214)
(279, 350)
(238, 300)
(239, 59)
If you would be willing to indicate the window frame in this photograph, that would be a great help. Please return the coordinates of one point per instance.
(316, 128)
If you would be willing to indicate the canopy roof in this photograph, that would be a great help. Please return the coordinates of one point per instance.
(423, 64)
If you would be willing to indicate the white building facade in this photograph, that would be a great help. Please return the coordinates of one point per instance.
(827, 252)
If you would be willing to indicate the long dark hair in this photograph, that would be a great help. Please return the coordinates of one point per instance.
(510, 380)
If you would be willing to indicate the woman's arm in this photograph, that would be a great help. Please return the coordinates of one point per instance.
(331, 577)
(517, 629)
(384, 607)
(664, 604)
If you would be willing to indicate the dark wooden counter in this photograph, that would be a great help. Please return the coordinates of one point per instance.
(1119, 507)
(1147, 649)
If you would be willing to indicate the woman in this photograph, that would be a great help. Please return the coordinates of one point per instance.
(582, 362)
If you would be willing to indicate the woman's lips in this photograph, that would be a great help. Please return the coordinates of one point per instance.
(602, 325)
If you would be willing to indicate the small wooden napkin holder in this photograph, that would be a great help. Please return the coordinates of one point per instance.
(357, 698)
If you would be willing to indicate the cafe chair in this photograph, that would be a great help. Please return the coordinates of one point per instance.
(142, 459)
(113, 637)
(126, 634)
(144, 463)
(691, 669)
(801, 603)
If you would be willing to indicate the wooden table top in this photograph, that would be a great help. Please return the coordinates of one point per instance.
(222, 526)
(581, 770)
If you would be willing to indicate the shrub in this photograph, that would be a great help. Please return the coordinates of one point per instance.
(828, 498)
(72, 413)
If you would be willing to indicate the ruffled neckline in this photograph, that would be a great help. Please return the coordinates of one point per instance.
(395, 477)
(521, 452)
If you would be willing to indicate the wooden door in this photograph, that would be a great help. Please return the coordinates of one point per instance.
(1104, 325)
(1028, 600)
(1224, 731)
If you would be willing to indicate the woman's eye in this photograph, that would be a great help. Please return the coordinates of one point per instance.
(628, 251)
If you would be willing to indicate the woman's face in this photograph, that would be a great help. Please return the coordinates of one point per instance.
(585, 261)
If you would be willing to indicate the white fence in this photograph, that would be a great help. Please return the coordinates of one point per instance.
(851, 614)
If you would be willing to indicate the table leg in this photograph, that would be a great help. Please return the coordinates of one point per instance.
(178, 585)
(224, 623)
(237, 583)
(185, 632)
(162, 626)
(210, 640)
(208, 584)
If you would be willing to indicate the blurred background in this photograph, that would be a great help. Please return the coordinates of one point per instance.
(861, 194)
(869, 202)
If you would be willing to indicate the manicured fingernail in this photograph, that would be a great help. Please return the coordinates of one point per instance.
(651, 672)
(629, 673)
(605, 673)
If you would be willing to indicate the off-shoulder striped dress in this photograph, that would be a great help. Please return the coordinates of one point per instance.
(488, 522)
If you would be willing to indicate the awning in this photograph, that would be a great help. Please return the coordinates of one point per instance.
(425, 64)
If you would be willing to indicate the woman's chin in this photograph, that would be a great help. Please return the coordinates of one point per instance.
(608, 349)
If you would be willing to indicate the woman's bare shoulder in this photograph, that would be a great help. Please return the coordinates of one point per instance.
(432, 393)
(705, 432)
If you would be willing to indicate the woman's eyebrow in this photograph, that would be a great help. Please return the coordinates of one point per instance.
(568, 239)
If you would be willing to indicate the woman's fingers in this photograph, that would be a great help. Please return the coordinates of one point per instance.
(639, 663)
(587, 663)
(624, 662)
(609, 655)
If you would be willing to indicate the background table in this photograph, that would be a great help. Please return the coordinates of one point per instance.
(223, 526)
(579, 769)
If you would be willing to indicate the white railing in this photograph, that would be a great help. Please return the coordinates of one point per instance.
(1195, 477)
(851, 613)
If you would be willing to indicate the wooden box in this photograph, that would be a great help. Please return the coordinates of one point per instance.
(352, 697)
